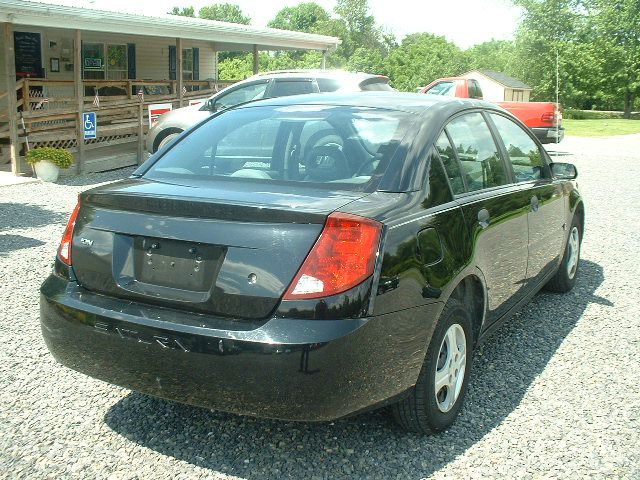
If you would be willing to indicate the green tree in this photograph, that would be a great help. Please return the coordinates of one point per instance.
(360, 30)
(423, 57)
(366, 60)
(278, 61)
(553, 30)
(224, 12)
(304, 17)
(183, 12)
(616, 25)
(495, 55)
(236, 68)
(360, 25)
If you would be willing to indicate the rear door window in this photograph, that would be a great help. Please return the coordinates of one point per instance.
(524, 154)
(482, 166)
(285, 88)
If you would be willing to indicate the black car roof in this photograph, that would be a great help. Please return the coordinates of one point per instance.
(412, 102)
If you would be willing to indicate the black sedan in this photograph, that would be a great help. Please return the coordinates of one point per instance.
(311, 257)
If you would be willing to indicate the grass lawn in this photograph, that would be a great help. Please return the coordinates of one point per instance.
(600, 128)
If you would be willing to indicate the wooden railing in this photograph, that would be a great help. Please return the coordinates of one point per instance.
(48, 109)
(57, 94)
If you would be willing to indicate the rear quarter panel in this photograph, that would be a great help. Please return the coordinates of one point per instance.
(530, 113)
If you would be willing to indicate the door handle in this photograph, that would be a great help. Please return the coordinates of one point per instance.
(535, 203)
(484, 218)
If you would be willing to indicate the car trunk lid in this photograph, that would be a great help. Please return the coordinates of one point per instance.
(217, 247)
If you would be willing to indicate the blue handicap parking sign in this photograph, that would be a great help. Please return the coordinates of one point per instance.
(90, 124)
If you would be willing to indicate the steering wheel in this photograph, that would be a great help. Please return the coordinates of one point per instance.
(317, 155)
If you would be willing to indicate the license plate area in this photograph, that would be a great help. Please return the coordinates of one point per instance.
(176, 264)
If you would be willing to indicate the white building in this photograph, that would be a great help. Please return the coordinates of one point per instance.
(499, 87)
(54, 59)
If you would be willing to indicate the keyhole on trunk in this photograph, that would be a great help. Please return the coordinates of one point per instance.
(252, 278)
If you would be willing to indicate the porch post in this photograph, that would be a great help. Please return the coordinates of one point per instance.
(179, 76)
(79, 87)
(324, 60)
(215, 62)
(256, 59)
(10, 84)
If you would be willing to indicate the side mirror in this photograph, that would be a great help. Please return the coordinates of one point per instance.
(209, 105)
(564, 171)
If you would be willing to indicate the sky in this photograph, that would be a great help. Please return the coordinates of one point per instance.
(464, 22)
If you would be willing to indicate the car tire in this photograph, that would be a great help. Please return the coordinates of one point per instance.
(565, 278)
(427, 408)
(167, 137)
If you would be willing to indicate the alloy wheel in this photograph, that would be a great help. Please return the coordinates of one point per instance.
(574, 252)
(450, 369)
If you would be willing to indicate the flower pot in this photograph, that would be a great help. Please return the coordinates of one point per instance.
(46, 171)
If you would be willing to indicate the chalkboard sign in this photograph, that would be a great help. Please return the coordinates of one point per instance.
(28, 54)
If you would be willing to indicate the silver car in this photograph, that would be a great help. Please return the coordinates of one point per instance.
(265, 85)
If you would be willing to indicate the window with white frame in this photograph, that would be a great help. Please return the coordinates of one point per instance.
(93, 67)
(98, 66)
(116, 62)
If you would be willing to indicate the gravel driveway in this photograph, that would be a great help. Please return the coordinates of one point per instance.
(554, 394)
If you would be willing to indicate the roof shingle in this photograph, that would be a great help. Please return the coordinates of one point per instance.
(504, 79)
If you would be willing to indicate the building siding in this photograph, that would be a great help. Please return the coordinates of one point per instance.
(152, 53)
(496, 92)
(491, 91)
(152, 57)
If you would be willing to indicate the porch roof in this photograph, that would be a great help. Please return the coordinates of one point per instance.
(226, 36)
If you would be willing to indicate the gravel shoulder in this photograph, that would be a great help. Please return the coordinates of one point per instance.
(553, 394)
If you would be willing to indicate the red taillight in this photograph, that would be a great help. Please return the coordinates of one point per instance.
(343, 256)
(64, 251)
(554, 118)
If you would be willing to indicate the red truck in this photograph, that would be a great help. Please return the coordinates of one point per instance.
(543, 118)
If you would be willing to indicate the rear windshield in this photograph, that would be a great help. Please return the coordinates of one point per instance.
(333, 146)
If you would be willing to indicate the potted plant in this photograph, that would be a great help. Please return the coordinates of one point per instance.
(47, 162)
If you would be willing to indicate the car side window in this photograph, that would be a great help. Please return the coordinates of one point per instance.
(243, 94)
(285, 88)
(524, 154)
(482, 166)
(448, 157)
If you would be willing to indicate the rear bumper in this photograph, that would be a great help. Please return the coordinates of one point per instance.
(549, 134)
(310, 370)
